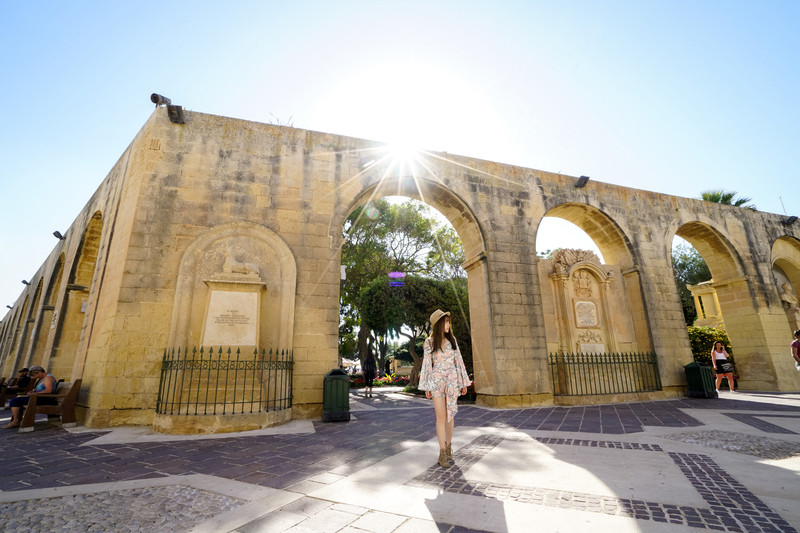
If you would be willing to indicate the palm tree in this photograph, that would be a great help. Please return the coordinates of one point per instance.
(719, 196)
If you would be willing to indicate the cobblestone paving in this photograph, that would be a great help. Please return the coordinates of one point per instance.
(757, 421)
(763, 447)
(156, 509)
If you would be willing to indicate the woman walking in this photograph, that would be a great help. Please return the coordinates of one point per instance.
(444, 378)
(720, 357)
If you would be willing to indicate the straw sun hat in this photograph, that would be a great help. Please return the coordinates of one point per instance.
(437, 315)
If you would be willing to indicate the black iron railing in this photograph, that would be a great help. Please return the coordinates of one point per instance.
(584, 374)
(208, 382)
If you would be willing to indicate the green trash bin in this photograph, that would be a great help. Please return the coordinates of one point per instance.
(699, 380)
(336, 396)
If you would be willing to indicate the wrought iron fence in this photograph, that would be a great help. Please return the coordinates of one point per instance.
(205, 382)
(583, 374)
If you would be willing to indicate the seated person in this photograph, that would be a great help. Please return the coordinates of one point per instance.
(21, 384)
(47, 385)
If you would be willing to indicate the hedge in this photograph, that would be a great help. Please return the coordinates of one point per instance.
(702, 340)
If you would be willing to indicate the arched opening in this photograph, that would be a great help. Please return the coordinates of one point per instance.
(786, 272)
(454, 210)
(693, 282)
(401, 259)
(29, 331)
(729, 299)
(72, 319)
(6, 340)
(19, 326)
(47, 317)
(592, 298)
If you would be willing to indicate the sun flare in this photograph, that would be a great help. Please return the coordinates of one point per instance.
(411, 106)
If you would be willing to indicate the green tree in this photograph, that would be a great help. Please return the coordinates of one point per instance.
(719, 196)
(404, 311)
(689, 268)
(444, 260)
(380, 238)
(364, 257)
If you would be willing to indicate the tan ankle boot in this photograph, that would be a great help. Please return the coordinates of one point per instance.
(449, 451)
(443, 461)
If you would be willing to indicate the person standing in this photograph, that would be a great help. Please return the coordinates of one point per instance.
(796, 349)
(444, 378)
(370, 370)
(720, 357)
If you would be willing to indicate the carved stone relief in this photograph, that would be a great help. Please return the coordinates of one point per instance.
(564, 258)
(582, 281)
(585, 314)
(590, 336)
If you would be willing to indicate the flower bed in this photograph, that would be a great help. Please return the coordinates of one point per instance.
(387, 380)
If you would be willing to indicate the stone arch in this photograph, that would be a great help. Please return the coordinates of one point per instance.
(786, 272)
(48, 318)
(430, 192)
(72, 316)
(9, 325)
(607, 235)
(728, 278)
(20, 326)
(236, 256)
(30, 328)
(620, 274)
(719, 254)
(466, 225)
(744, 324)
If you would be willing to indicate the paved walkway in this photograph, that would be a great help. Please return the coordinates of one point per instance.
(728, 464)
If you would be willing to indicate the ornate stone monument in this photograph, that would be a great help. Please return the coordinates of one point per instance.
(234, 301)
(588, 305)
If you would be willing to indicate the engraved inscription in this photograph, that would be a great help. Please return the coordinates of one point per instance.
(585, 314)
(233, 316)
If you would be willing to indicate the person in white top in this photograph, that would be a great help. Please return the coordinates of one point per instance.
(720, 356)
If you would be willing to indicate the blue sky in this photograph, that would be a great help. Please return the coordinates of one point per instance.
(674, 97)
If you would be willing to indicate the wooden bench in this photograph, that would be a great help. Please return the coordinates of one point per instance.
(66, 395)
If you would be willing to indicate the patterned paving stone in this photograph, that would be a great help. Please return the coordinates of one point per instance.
(731, 506)
(50, 456)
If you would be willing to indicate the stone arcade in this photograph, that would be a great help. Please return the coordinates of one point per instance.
(223, 231)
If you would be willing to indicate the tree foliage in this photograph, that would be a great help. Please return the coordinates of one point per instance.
(689, 268)
(381, 237)
(720, 196)
(405, 310)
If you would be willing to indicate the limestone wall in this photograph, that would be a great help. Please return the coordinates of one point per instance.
(131, 277)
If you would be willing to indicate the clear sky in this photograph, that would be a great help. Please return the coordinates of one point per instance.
(674, 97)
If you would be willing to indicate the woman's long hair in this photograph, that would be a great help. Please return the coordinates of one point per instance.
(439, 334)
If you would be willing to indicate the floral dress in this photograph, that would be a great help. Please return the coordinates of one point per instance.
(444, 374)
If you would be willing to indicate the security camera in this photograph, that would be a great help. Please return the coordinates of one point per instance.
(159, 100)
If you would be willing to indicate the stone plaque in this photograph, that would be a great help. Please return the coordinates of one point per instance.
(585, 314)
(592, 348)
(232, 319)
